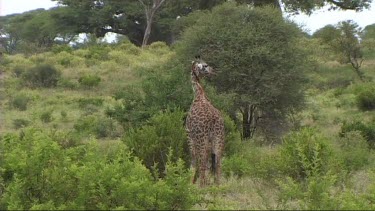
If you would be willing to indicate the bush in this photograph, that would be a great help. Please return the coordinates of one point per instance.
(305, 153)
(20, 123)
(84, 102)
(151, 142)
(61, 48)
(254, 161)
(46, 116)
(354, 150)
(42, 75)
(313, 194)
(366, 130)
(232, 137)
(366, 98)
(132, 111)
(67, 83)
(89, 80)
(20, 102)
(34, 166)
(101, 127)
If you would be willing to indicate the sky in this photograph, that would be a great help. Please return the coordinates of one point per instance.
(310, 24)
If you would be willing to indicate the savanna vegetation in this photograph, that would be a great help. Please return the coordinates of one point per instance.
(98, 125)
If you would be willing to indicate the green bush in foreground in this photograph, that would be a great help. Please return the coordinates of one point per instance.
(38, 174)
(162, 132)
(305, 153)
(366, 130)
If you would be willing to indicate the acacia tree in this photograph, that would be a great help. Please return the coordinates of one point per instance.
(256, 58)
(349, 46)
(343, 39)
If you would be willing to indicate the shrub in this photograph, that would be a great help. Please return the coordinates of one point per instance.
(67, 83)
(18, 71)
(354, 150)
(20, 102)
(232, 137)
(305, 153)
(61, 48)
(366, 98)
(46, 116)
(151, 142)
(313, 194)
(101, 127)
(132, 111)
(89, 80)
(84, 102)
(34, 166)
(254, 161)
(42, 75)
(64, 114)
(20, 123)
(366, 130)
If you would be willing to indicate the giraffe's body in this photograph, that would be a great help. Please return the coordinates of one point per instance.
(205, 128)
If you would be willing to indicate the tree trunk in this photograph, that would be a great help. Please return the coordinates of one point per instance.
(150, 13)
(249, 121)
(147, 33)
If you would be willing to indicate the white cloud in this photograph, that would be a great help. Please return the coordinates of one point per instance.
(19, 6)
(323, 17)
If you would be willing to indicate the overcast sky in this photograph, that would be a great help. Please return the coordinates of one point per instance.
(310, 23)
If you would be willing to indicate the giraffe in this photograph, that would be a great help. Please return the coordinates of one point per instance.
(205, 128)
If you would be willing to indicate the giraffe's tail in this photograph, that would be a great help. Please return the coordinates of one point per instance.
(213, 162)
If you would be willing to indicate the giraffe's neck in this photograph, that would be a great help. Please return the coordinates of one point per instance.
(198, 89)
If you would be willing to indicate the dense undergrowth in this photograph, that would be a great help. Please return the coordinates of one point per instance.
(102, 128)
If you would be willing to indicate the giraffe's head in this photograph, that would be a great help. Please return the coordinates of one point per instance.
(200, 68)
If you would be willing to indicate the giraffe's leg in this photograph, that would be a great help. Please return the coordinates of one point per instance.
(203, 167)
(218, 168)
(195, 170)
(218, 149)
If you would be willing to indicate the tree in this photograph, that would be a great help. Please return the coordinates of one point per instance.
(349, 46)
(368, 32)
(34, 28)
(327, 34)
(257, 60)
(150, 12)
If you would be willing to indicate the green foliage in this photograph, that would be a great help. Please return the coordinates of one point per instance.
(132, 110)
(255, 161)
(306, 153)
(354, 150)
(366, 130)
(89, 80)
(327, 34)
(313, 194)
(20, 102)
(41, 75)
(46, 116)
(34, 166)
(84, 102)
(232, 137)
(366, 97)
(258, 59)
(61, 48)
(20, 123)
(162, 132)
(99, 126)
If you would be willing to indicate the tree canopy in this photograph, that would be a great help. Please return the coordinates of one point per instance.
(257, 59)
